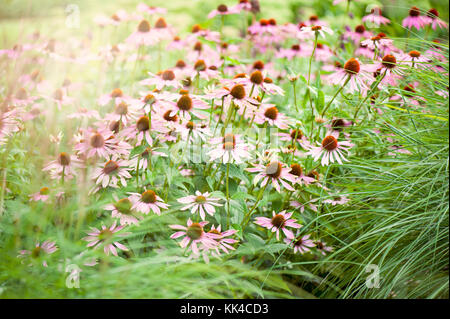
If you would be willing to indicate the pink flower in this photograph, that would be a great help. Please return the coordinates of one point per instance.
(224, 243)
(142, 36)
(316, 29)
(42, 195)
(432, 18)
(47, 247)
(102, 143)
(330, 150)
(9, 124)
(187, 105)
(122, 209)
(296, 135)
(361, 76)
(337, 200)
(223, 10)
(274, 171)
(147, 201)
(105, 238)
(300, 177)
(194, 235)
(322, 247)
(300, 244)
(270, 114)
(164, 79)
(278, 222)
(229, 148)
(201, 202)
(63, 166)
(111, 172)
(139, 130)
(375, 17)
(414, 19)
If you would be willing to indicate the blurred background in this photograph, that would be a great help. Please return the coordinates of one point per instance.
(49, 16)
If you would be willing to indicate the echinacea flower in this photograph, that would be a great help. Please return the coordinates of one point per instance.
(224, 243)
(337, 200)
(229, 148)
(101, 142)
(294, 136)
(415, 59)
(195, 235)
(111, 172)
(276, 172)
(317, 30)
(106, 238)
(301, 244)
(8, 124)
(43, 195)
(357, 75)
(63, 166)
(147, 201)
(330, 150)
(322, 247)
(375, 17)
(279, 222)
(162, 79)
(187, 105)
(414, 19)
(222, 10)
(142, 36)
(40, 251)
(269, 113)
(123, 210)
(300, 177)
(201, 202)
(432, 18)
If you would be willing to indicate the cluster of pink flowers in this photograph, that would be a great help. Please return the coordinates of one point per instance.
(212, 97)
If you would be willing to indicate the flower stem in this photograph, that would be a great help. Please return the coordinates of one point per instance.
(249, 214)
(335, 94)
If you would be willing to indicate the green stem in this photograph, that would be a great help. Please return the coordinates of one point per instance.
(249, 214)
(335, 94)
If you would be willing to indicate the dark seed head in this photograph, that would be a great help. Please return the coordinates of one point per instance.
(271, 113)
(116, 93)
(273, 169)
(297, 133)
(222, 8)
(110, 167)
(389, 61)
(278, 221)
(160, 23)
(337, 124)
(168, 75)
(198, 46)
(148, 197)
(123, 206)
(296, 169)
(258, 65)
(194, 231)
(21, 94)
(97, 140)
(144, 26)
(238, 91)
(360, 29)
(414, 54)
(185, 103)
(143, 123)
(414, 12)
(330, 143)
(180, 64)
(256, 77)
(64, 159)
(433, 13)
(121, 108)
(352, 66)
(200, 65)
